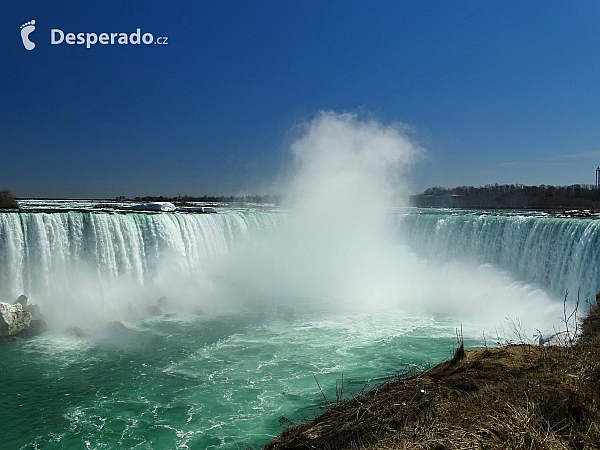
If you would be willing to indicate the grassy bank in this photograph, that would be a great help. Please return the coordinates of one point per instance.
(513, 397)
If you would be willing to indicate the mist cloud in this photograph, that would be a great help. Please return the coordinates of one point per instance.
(338, 246)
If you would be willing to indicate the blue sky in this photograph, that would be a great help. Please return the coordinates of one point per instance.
(498, 92)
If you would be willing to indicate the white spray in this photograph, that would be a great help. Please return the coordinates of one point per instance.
(338, 250)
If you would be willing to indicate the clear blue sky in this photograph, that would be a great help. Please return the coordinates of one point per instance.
(499, 92)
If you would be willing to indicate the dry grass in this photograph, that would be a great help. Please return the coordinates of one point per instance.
(513, 397)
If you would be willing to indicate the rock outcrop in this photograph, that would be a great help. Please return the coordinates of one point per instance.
(154, 310)
(34, 310)
(22, 300)
(13, 319)
(20, 319)
(76, 331)
(115, 325)
(163, 302)
(36, 327)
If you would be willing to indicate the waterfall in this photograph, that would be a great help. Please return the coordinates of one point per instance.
(98, 263)
(555, 253)
(46, 254)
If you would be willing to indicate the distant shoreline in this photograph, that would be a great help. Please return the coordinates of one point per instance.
(511, 196)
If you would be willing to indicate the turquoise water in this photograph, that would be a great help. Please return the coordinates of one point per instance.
(237, 376)
(196, 382)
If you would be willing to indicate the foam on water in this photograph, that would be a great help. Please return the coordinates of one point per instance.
(210, 383)
(335, 285)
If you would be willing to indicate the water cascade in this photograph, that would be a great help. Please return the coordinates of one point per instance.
(337, 283)
(555, 253)
(103, 258)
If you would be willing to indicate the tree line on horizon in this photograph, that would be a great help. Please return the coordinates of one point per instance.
(511, 196)
(182, 200)
(489, 196)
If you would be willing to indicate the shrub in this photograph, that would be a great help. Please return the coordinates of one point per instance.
(7, 200)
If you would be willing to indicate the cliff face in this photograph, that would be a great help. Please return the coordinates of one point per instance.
(513, 397)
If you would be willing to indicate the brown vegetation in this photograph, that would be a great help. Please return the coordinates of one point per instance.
(7, 201)
(513, 397)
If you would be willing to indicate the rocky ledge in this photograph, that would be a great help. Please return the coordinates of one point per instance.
(20, 320)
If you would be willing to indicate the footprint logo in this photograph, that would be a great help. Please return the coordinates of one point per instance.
(26, 30)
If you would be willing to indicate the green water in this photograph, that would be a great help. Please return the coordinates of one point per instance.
(231, 381)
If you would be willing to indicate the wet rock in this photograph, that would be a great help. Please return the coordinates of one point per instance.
(13, 319)
(22, 300)
(34, 310)
(75, 331)
(154, 310)
(163, 302)
(116, 326)
(36, 327)
(20, 320)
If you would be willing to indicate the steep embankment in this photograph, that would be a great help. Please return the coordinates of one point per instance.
(514, 397)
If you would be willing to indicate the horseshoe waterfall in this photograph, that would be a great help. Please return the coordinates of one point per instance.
(185, 330)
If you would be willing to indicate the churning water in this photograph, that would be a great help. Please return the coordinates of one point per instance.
(259, 301)
(244, 369)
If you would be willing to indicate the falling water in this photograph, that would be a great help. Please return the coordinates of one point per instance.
(556, 253)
